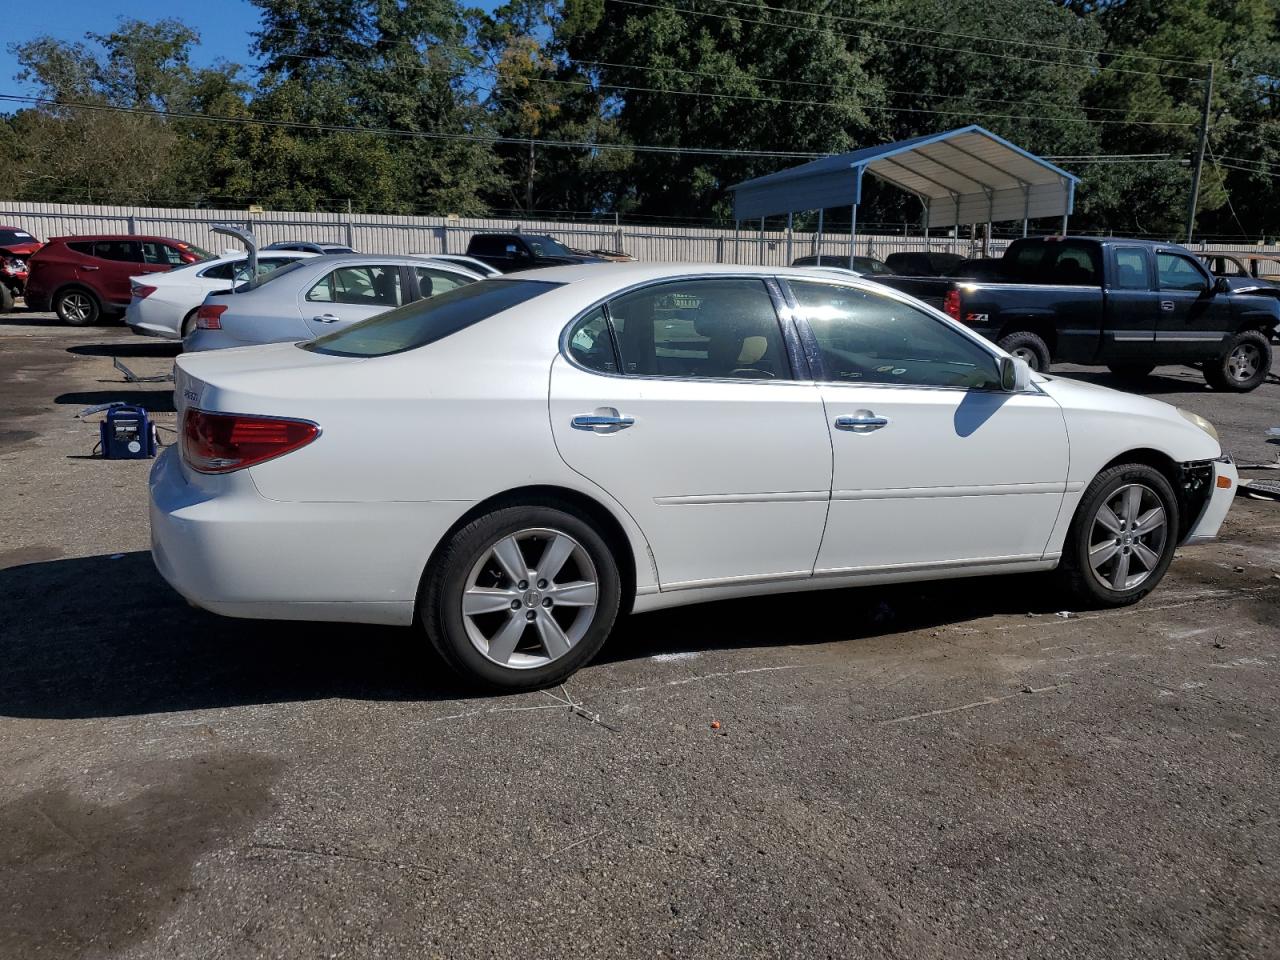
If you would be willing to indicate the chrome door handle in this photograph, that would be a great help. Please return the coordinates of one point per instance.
(89, 267)
(861, 423)
(1166, 305)
(601, 424)
(326, 318)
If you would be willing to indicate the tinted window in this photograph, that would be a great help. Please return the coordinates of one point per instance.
(432, 282)
(547, 247)
(488, 246)
(81, 246)
(1179, 273)
(372, 286)
(15, 236)
(1055, 262)
(867, 338)
(700, 328)
(591, 343)
(426, 321)
(161, 253)
(1131, 269)
(124, 250)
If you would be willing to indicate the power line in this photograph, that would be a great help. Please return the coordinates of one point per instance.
(909, 43)
(413, 134)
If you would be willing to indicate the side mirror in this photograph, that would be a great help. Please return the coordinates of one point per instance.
(1221, 285)
(1015, 375)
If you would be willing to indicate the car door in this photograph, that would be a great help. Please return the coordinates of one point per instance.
(1132, 307)
(350, 293)
(114, 262)
(934, 466)
(680, 400)
(1193, 318)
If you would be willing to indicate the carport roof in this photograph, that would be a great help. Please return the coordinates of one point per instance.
(968, 175)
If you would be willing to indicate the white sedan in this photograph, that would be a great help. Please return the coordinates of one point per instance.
(165, 304)
(516, 463)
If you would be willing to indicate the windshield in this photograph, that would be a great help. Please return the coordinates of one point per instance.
(15, 236)
(547, 247)
(199, 252)
(426, 321)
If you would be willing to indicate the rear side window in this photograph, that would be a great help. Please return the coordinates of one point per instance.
(81, 246)
(1131, 269)
(426, 321)
(489, 246)
(1059, 263)
(129, 251)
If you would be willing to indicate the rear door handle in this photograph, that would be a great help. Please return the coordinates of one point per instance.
(1166, 305)
(601, 423)
(88, 267)
(326, 318)
(863, 422)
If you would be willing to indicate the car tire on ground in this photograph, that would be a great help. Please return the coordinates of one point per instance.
(1131, 371)
(1122, 537)
(6, 299)
(1029, 347)
(77, 307)
(188, 324)
(1243, 364)
(522, 597)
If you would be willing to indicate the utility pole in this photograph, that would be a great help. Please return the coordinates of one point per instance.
(1195, 172)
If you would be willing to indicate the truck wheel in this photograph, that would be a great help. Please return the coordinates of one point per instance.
(1025, 345)
(1243, 365)
(1131, 371)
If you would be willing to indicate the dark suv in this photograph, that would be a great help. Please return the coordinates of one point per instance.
(84, 278)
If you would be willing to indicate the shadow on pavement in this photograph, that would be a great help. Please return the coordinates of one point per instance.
(97, 636)
(155, 399)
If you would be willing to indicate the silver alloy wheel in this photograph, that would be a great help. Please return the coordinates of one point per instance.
(1244, 362)
(1028, 355)
(1127, 537)
(522, 613)
(76, 307)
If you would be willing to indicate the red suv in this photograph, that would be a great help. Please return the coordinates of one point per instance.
(16, 248)
(83, 278)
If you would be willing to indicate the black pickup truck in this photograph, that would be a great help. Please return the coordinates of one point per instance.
(1127, 304)
(510, 252)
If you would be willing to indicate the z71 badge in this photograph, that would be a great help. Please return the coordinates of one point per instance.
(976, 317)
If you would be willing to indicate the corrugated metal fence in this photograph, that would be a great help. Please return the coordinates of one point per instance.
(378, 233)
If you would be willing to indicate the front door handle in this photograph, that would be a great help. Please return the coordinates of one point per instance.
(864, 421)
(601, 423)
(326, 318)
(1166, 305)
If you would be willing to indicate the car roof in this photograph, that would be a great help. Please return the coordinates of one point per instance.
(115, 236)
(624, 273)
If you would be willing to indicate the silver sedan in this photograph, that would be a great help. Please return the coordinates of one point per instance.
(316, 296)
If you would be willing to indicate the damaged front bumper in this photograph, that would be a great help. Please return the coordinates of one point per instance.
(1208, 487)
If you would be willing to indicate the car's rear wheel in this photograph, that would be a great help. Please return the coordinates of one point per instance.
(6, 298)
(1029, 347)
(522, 597)
(1243, 365)
(188, 324)
(77, 307)
(1122, 538)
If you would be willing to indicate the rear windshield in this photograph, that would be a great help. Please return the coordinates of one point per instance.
(426, 321)
(268, 277)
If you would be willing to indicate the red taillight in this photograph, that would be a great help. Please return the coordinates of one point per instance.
(223, 442)
(208, 317)
(951, 304)
(188, 257)
(142, 292)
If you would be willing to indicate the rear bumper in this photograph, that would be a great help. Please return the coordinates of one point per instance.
(229, 550)
(1221, 494)
(151, 320)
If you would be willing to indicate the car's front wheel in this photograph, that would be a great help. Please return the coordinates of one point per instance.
(521, 597)
(1122, 538)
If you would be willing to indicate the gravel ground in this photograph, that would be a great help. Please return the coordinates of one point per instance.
(949, 770)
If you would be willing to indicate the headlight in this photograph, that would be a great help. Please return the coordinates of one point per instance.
(1199, 421)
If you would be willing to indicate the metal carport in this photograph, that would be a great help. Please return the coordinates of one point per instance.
(968, 175)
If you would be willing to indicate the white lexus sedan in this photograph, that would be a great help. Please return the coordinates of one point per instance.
(165, 304)
(515, 463)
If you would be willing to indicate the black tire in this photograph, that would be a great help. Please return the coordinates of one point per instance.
(1131, 371)
(1083, 584)
(6, 298)
(447, 578)
(188, 324)
(1028, 346)
(1243, 364)
(77, 307)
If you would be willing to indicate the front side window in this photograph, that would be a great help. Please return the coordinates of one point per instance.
(365, 286)
(432, 282)
(1179, 273)
(867, 338)
(700, 328)
(425, 321)
(1131, 268)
